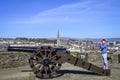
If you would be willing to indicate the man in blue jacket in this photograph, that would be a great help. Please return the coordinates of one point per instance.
(103, 47)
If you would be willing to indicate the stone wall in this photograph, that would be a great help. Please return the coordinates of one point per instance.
(116, 57)
(96, 57)
(13, 59)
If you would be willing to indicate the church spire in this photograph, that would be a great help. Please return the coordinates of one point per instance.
(58, 39)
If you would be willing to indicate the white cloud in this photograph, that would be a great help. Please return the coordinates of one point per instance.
(83, 11)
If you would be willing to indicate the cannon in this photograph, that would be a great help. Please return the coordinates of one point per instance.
(46, 61)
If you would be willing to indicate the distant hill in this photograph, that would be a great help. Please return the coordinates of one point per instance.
(113, 39)
(91, 39)
(108, 39)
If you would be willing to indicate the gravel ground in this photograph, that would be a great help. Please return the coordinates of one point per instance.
(69, 71)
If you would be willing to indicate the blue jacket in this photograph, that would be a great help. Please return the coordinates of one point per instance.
(103, 48)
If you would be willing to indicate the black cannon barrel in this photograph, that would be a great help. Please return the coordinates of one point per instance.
(29, 48)
(21, 48)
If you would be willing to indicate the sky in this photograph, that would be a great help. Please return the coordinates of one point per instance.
(72, 18)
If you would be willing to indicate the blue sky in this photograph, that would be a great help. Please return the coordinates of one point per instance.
(73, 18)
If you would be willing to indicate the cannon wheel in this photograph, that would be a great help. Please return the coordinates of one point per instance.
(45, 62)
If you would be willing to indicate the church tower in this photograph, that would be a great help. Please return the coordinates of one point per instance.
(58, 39)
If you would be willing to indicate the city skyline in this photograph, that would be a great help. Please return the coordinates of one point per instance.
(73, 18)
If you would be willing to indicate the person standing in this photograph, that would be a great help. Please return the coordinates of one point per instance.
(103, 48)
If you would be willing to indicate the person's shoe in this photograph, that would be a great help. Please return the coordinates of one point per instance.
(107, 72)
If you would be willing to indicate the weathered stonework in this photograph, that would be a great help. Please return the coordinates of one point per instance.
(17, 59)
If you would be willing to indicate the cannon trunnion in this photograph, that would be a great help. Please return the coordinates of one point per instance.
(46, 61)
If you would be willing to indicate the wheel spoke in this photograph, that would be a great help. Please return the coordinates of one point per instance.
(39, 59)
(50, 54)
(49, 69)
(38, 66)
(52, 57)
(41, 54)
(45, 53)
(45, 68)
